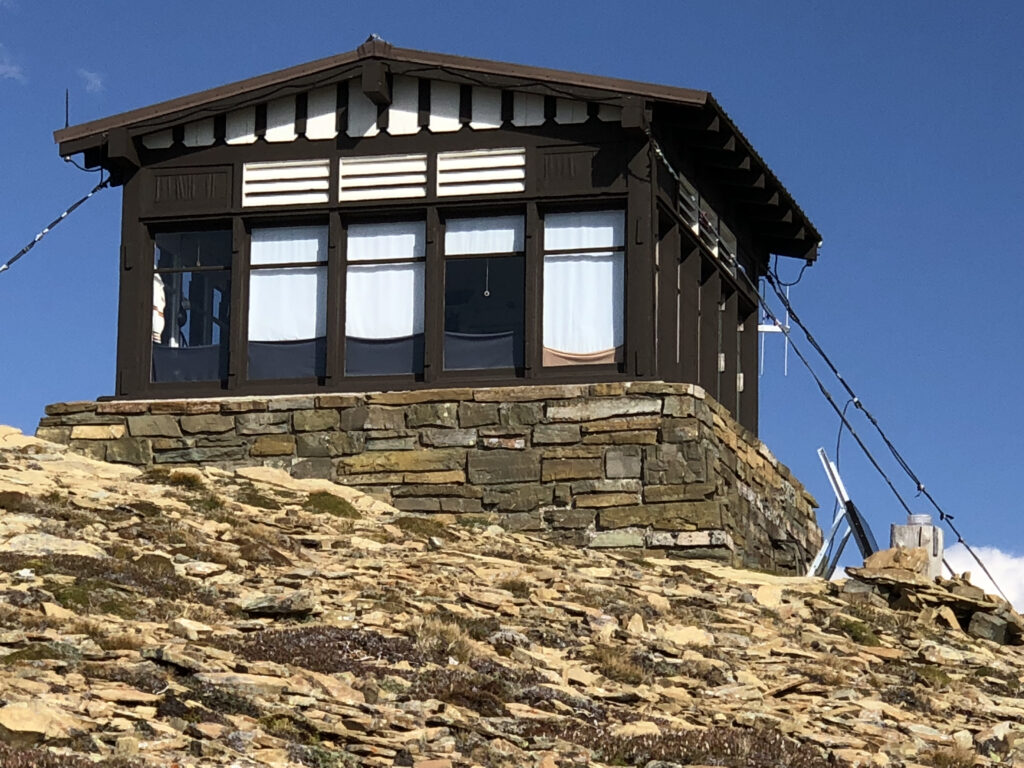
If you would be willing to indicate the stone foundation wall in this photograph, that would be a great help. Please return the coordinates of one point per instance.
(621, 465)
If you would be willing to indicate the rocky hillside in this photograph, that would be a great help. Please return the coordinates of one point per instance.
(251, 619)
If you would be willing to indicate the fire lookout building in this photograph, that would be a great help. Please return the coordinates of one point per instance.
(397, 221)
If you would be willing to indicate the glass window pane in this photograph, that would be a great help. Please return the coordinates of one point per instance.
(483, 315)
(583, 308)
(587, 229)
(191, 313)
(287, 323)
(494, 234)
(396, 240)
(181, 250)
(288, 245)
(384, 308)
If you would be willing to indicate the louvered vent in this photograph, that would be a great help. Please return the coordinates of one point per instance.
(481, 172)
(300, 182)
(382, 178)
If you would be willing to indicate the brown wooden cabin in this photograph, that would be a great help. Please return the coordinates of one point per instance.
(392, 219)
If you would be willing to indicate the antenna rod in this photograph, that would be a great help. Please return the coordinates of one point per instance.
(67, 107)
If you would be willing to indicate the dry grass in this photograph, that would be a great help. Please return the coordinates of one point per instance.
(619, 666)
(438, 639)
(950, 757)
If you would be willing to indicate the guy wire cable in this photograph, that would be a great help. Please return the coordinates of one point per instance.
(943, 515)
(46, 230)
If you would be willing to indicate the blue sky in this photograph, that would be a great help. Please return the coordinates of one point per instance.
(896, 126)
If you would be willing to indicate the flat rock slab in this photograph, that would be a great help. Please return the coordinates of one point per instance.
(44, 544)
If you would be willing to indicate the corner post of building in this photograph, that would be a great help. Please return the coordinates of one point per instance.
(729, 350)
(710, 318)
(748, 412)
(336, 281)
(135, 296)
(433, 321)
(668, 250)
(689, 282)
(640, 236)
(239, 330)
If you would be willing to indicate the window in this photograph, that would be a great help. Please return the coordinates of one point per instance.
(191, 306)
(484, 285)
(584, 287)
(288, 302)
(384, 298)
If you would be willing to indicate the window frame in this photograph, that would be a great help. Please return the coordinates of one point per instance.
(338, 218)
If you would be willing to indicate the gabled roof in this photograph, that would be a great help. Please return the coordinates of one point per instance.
(789, 231)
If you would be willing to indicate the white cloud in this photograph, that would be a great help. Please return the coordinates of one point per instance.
(93, 80)
(1007, 569)
(8, 69)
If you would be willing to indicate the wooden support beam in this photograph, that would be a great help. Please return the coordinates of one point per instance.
(748, 403)
(710, 317)
(667, 299)
(689, 285)
(728, 351)
(374, 82)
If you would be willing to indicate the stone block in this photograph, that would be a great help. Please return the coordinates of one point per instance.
(521, 499)
(987, 626)
(78, 406)
(555, 434)
(522, 521)
(417, 504)
(685, 492)
(677, 516)
(372, 417)
(419, 396)
(461, 506)
(607, 389)
(97, 432)
(153, 426)
(627, 537)
(246, 405)
(88, 417)
(674, 464)
(508, 443)
(338, 401)
(260, 423)
(640, 437)
(601, 500)
(305, 469)
(403, 461)
(227, 438)
(391, 443)
(171, 443)
(448, 438)
(486, 467)
(273, 445)
(440, 477)
(622, 462)
(426, 489)
(573, 451)
(291, 403)
(620, 485)
(520, 414)
(200, 455)
(208, 422)
(129, 450)
(54, 434)
(473, 414)
(123, 407)
(569, 518)
(315, 420)
(602, 408)
(432, 415)
(50, 421)
(622, 424)
(319, 444)
(182, 407)
(571, 469)
(680, 405)
(94, 449)
(524, 394)
(680, 430)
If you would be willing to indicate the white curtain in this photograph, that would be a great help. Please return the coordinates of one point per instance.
(394, 241)
(289, 303)
(385, 301)
(589, 229)
(584, 294)
(492, 234)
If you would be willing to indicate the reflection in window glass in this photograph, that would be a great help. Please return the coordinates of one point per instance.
(191, 306)
(288, 302)
(484, 293)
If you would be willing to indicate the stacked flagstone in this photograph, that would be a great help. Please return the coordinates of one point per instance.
(620, 465)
